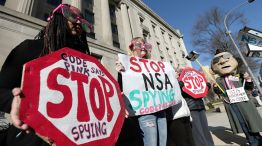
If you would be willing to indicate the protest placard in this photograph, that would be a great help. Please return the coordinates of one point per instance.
(149, 86)
(72, 99)
(194, 83)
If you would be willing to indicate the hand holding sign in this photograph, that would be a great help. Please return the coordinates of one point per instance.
(149, 86)
(119, 66)
(195, 83)
(71, 98)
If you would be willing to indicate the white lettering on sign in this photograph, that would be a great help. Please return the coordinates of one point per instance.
(237, 95)
(194, 82)
(250, 39)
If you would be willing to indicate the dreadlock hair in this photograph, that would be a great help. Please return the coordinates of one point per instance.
(55, 35)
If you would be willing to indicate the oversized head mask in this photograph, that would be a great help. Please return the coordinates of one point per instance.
(224, 63)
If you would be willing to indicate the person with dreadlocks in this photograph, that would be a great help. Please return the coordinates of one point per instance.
(65, 28)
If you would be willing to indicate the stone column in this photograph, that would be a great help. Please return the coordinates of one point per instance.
(106, 23)
(176, 50)
(155, 52)
(162, 43)
(23, 6)
(183, 47)
(126, 24)
(171, 49)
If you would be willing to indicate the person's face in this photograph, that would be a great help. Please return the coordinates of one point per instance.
(139, 48)
(224, 63)
(74, 29)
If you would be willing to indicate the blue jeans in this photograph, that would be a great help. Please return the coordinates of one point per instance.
(254, 139)
(154, 128)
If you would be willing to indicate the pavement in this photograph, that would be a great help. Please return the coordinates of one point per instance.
(220, 128)
(218, 124)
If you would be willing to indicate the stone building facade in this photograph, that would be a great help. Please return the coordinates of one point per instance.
(115, 23)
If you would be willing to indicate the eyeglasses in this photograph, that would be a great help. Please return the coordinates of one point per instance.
(138, 45)
(73, 15)
(225, 56)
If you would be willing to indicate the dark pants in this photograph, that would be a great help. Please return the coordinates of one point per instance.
(179, 132)
(254, 139)
(200, 130)
(130, 134)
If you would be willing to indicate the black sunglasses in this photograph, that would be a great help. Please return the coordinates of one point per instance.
(225, 56)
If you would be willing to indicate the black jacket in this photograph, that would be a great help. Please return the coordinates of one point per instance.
(192, 103)
(10, 77)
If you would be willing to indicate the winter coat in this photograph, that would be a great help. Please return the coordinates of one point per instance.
(247, 108)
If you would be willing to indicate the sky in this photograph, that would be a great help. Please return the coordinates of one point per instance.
(182, 15)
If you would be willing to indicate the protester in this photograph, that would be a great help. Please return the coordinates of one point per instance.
(200, 130)
(153, 126)
(242, 115)
(65, 28)
(179, 124)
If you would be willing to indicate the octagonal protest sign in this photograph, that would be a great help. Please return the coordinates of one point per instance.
(72, 99)
(194, 83)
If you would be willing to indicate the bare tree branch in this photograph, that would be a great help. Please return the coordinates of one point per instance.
(208, 33)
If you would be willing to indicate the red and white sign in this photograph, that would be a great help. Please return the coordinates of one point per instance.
(72, 99)
(194, 83)
(149, 86)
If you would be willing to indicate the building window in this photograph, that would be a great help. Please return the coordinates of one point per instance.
(154, 28)
(98, 57)
(163, 35)
(2, 2)
(158, 46)
(115, 35)
(88, 4)
(116, 44)
(46, 15)
(48, 5)
(170, 38)
(87, 8)
(112, 11)
(54, 2)
(89, 16)
(162, 58)
(183, 54)
(179, 44)
(91, 34)
(141, 19)
(114, 28)
(146, 35)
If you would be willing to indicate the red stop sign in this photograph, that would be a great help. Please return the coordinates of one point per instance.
(194, 83)
(72, 99)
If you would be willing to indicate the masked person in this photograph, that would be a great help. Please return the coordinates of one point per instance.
(153, 126)
(65, 28)
(200, 130)
(232, 86)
